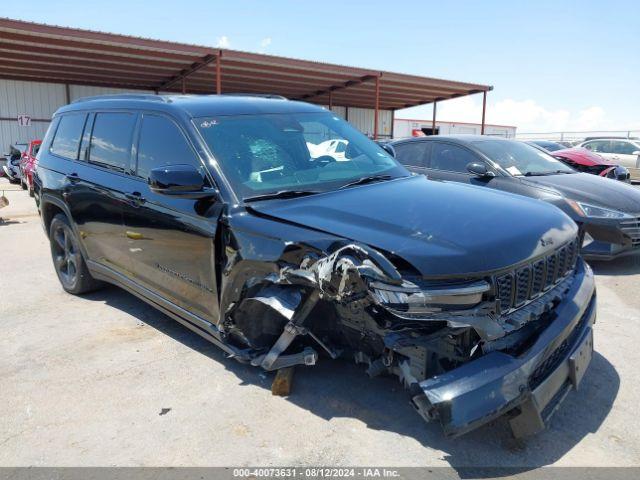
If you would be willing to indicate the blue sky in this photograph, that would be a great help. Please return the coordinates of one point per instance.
(572, 65)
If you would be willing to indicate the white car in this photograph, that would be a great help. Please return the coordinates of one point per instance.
(335, 148)
(625, 152)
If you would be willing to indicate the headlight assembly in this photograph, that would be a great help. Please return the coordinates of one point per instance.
(593, 211)
(409, 298)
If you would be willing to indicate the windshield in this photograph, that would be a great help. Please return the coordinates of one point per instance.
(268, 153)
(518, 158)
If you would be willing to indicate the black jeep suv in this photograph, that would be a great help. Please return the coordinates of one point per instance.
(235, 216)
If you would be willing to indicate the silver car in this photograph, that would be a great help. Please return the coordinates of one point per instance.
(623, 151)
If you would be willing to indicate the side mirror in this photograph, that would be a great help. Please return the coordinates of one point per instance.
(637, 152)
(183, 181)
(389, 149)
(480, 170)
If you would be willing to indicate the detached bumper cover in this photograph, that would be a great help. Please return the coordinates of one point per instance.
(534, 383)
(612, 238)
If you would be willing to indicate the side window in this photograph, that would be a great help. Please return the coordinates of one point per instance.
(452, 158)
(599, 146)
(67, 137)
(412, 154)
(111, 140)
(623, 148)
(162, 143)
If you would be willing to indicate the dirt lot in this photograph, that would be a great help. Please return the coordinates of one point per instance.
(107, 380)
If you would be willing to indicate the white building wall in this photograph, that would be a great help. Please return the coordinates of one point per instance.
(79, 91)
(403, 128)
(40, 101)
(36, 99)
(362, 119)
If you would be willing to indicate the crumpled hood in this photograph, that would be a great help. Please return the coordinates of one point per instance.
(583, 156)
(593, 189)
(440, 228)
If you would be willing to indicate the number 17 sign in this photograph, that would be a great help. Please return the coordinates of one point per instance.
(24, 120)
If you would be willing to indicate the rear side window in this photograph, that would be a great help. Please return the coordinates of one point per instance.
(413, 154)
(67, 139)
(162, 143)
(111, 140)
(623, 148)
(452, 158)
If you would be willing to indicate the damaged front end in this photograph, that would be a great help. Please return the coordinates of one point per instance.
(468, 349)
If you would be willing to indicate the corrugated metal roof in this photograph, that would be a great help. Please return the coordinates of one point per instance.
(38, 52)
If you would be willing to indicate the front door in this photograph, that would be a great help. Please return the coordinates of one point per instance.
(449, 162)
(171, 241)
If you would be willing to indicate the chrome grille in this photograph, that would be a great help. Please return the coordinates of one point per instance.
(632, 229)
(515, 288)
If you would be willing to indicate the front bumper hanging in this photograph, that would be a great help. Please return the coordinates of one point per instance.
(531, 386)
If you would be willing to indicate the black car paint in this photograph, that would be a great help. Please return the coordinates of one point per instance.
(210, 262)
(610, 239)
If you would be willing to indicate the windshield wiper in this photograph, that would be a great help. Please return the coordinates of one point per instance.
(367, 179)
(541, 174)
(281, 194)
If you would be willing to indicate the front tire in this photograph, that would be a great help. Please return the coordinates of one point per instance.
(68, 262)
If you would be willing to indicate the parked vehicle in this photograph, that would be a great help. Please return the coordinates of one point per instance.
(584, 160)
(622, 151)
(28, 164)
(547, 145)
(608, 210)
(213, 210)
(12, 166)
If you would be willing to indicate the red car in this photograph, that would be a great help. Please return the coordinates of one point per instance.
(28, 165)
(586, 161)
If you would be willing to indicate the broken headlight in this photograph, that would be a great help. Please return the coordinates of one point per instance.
(409, 298)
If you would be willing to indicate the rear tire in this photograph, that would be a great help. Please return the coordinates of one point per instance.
(68, 261)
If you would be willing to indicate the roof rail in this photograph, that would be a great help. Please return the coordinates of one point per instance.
(123, 96)
(261, 95)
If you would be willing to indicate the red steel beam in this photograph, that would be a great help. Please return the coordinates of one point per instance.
(219, 72)
(377, 108)
(88, 56)
(195, 66)
(433, 120)
(484, 110)
(97, 48)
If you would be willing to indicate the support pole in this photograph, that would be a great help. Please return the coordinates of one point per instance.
(433, 120)
(331, 101)
(67, 93)
(377, 109)
(393, 120)
(219, 72)
(484, 111)
(184, 86)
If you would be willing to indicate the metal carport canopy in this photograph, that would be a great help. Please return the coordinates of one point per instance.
(38, 52)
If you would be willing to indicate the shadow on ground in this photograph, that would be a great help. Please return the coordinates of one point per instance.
(629, 265)
(341, 389)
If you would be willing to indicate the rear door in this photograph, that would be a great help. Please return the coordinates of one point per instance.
(171, 241)
(97, 161)
(414, 155)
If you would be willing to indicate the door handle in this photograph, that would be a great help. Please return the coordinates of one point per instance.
(135, 198)
(72, 177)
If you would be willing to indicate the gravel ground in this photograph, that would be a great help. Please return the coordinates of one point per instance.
(107, 380)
